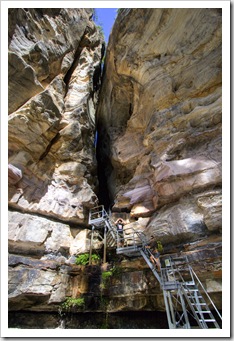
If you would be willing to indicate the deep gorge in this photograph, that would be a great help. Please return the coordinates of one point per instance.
(144, 139)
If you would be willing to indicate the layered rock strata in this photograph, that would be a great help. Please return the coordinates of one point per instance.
(160, 126)
(160, 110)
(158, 149)
(54, 79)
(54, 75)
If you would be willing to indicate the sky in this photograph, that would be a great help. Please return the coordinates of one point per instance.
(106, 18)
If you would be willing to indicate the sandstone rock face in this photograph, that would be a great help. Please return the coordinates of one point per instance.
(54, 79)
(135, 287)
(34, 283)
(160, 111)
(158, 151)
(159, 122)
(38, 236)
(54, 70)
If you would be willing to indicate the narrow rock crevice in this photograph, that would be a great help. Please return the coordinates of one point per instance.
(104, 167)
(69, 73)
(53, 141)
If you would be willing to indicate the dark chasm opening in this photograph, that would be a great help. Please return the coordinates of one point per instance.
(104, 166)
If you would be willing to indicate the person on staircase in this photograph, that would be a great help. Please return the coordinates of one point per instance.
(154, 253)
(120, 230)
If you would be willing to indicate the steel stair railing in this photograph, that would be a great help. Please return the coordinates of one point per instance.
(203, 311)
(110, 241)
(182, 297)
(111, 228)
(146, 255)
(198, 305)
(206, 293)
(187, 294)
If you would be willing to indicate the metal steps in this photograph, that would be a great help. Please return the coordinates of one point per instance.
(182, 290)
(146, 256)
(110, 240)
(184, 301)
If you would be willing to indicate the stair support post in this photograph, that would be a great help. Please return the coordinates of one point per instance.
(169, 310)
(187, 325)
(91, 246)
(104, 242)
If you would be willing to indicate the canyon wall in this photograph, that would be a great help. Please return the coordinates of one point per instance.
(54, 70)
(159, 122)
(54, 79)
(156, 162)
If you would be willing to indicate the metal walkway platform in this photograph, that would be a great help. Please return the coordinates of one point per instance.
(187, 303)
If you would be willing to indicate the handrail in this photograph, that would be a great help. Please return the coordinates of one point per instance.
(131, 236)
(206, 293)
(99, 212)
(191, 307)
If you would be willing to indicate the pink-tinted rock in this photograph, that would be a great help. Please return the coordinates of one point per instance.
(14, 174)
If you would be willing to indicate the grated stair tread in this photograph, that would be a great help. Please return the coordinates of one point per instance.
(194, 297)
(199, 303)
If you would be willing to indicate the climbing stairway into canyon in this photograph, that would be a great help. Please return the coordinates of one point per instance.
(184, 295)
(187, 302)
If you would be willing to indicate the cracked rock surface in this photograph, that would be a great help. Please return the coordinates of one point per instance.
(54, 55)
(54, 79)
(160, 112)
(158, 116)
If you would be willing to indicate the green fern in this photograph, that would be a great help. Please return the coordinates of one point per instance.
(106, 275)
(73, 302)
(84, 259)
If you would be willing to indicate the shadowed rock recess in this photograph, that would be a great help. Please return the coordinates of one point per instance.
(156, 161)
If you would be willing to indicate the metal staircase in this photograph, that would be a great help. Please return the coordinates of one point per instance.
(182, 290)
(188, 304)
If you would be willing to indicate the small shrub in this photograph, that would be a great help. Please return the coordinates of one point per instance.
(95, 257)
(106, 275)
(84, 259)
(159, 246)
(105, 278)
(101, 30)
(73, 302)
